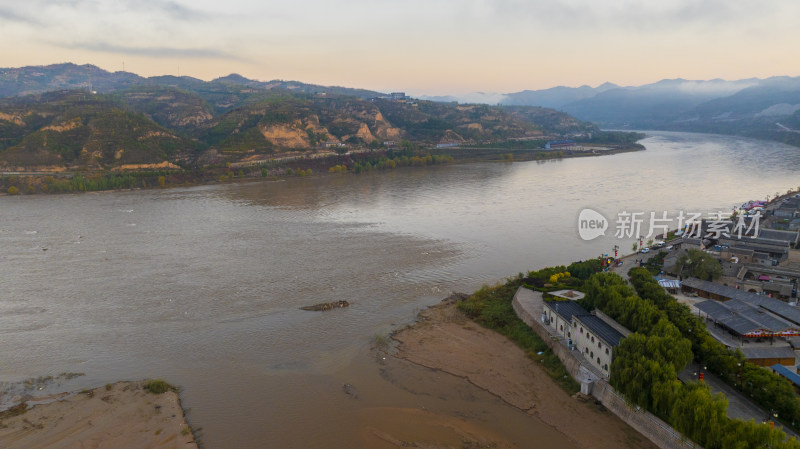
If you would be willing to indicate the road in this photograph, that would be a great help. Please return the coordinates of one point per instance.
(739, 406)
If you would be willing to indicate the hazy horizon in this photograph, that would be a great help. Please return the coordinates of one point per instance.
(688, 82)
(441, 47)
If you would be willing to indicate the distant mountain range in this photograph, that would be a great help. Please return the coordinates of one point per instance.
(761, 108)
(67, 116)
(38, 79)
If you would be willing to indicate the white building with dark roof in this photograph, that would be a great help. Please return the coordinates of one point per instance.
(558, 316)
(596, 340)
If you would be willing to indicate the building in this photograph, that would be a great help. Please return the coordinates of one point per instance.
(558, 315)
(737, 255)
(785, 211)
(770, 356)
(744, 314)
(719, 292)
(559, 144)
(787, 373)
(594, 334)
(747, 321)
(766, 251)
(670, 285)
(596, 340)
(397, 95)
(777, 282)
(777, 236)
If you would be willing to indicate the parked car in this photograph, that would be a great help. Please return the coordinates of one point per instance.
(645, 250)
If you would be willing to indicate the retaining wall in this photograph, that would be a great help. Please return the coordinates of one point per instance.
(656, 430)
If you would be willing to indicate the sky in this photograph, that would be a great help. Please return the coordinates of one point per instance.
(422, 47)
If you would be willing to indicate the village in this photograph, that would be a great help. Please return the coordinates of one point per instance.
(751, 303)
(743, 286)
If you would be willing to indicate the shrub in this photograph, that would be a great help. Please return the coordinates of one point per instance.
(157, 386)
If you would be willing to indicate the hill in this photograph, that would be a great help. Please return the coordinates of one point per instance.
(760, 108)
(291, 121)
(80, 130)
(39, 79)
(555, 97)
(111, 120)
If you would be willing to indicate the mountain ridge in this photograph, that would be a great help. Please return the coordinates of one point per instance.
(766, 108)
(84, 118)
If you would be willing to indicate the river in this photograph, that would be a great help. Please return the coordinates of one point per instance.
(202, 286)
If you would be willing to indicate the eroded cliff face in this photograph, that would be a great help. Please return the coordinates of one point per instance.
(13, 118)
(64, 126)
(152, 124)
(452, 137)
(294, 135)
(199, 119)
(383, 129)
(364, 133)
(285, 136)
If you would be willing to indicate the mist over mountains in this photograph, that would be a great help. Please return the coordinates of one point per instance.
(761, 108)
(66, 114)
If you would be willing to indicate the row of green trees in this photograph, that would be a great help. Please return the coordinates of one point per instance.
(764, 387)
(110, 181)
(646, 364)
(388, 163)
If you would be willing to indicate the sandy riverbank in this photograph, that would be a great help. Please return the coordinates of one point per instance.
(453, 384)
(444, 339)
(118, 416)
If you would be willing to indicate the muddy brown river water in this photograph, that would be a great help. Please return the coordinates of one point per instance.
(202, 286)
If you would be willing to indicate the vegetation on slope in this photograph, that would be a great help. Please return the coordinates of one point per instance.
(266, 129)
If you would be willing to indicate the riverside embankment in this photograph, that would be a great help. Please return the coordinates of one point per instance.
(528, 306)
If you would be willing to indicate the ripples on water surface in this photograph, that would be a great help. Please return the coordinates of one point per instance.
(202, 285)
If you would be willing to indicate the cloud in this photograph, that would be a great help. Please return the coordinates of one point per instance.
(154, 52)
(168, 8)
(718, 87)
(646, 15)
(148, 28)
(13, 16)
(54, 14)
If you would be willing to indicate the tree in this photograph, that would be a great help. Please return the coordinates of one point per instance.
(582, 270)
(635, 247)
(13, 190)
(700, 265)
